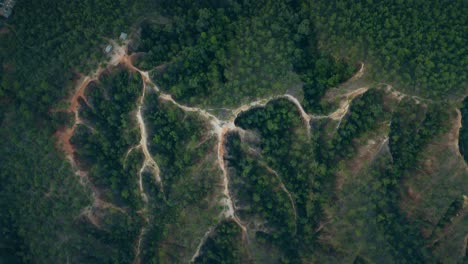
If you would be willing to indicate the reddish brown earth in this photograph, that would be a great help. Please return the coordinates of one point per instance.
(65, 134)
(63, 138)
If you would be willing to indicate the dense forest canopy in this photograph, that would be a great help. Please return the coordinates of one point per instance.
(234, 131)
(419, 44)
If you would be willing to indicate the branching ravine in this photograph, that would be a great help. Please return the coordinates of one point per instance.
(119, 57)
(219, 128)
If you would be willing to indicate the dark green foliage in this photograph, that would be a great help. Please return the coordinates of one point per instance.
(463, 138)
(411, 128)
(364, 114)
(360, 260)
(454, 209)
(421, 44)
(261, 192)
(101, 144)
(223, 246)
(322, 73)
(49, 41)
(175, 139)
(111, 243)
(111, 134)
(317, 69)
(182, 148)
(44, 44)
(286, 148)
(217, 53)
(405, 239)
(40, 197)
(228, 52)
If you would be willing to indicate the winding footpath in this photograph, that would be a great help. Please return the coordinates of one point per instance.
(220, 128)
(284, 189)
(149, 162)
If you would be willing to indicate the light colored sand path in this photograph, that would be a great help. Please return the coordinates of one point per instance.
(454, 135)
(359, 73)
(149, 163)
(343, 109)
(137, 259)
(221, 127)
(202, 242)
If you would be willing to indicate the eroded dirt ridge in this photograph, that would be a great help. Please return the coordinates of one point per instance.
(218, 127)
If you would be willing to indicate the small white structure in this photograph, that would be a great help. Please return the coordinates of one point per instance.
(123, 36)
(108, 48)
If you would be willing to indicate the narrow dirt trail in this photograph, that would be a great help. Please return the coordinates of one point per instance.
(400, 95)
(344, 105)
(383, 145)
(358, 74)
(137, 259)
(304, 116)
(119, 56)
(130, 151)
(88, 211)
(80, 93)
(220, 128)
(365, 154)
(343, 109)
(64, 135)
(202, 242)
(149, 162)
(283, 187)
(454, 134)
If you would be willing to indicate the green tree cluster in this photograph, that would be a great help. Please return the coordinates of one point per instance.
(234, 51)
(364, 114)
(419, 44)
